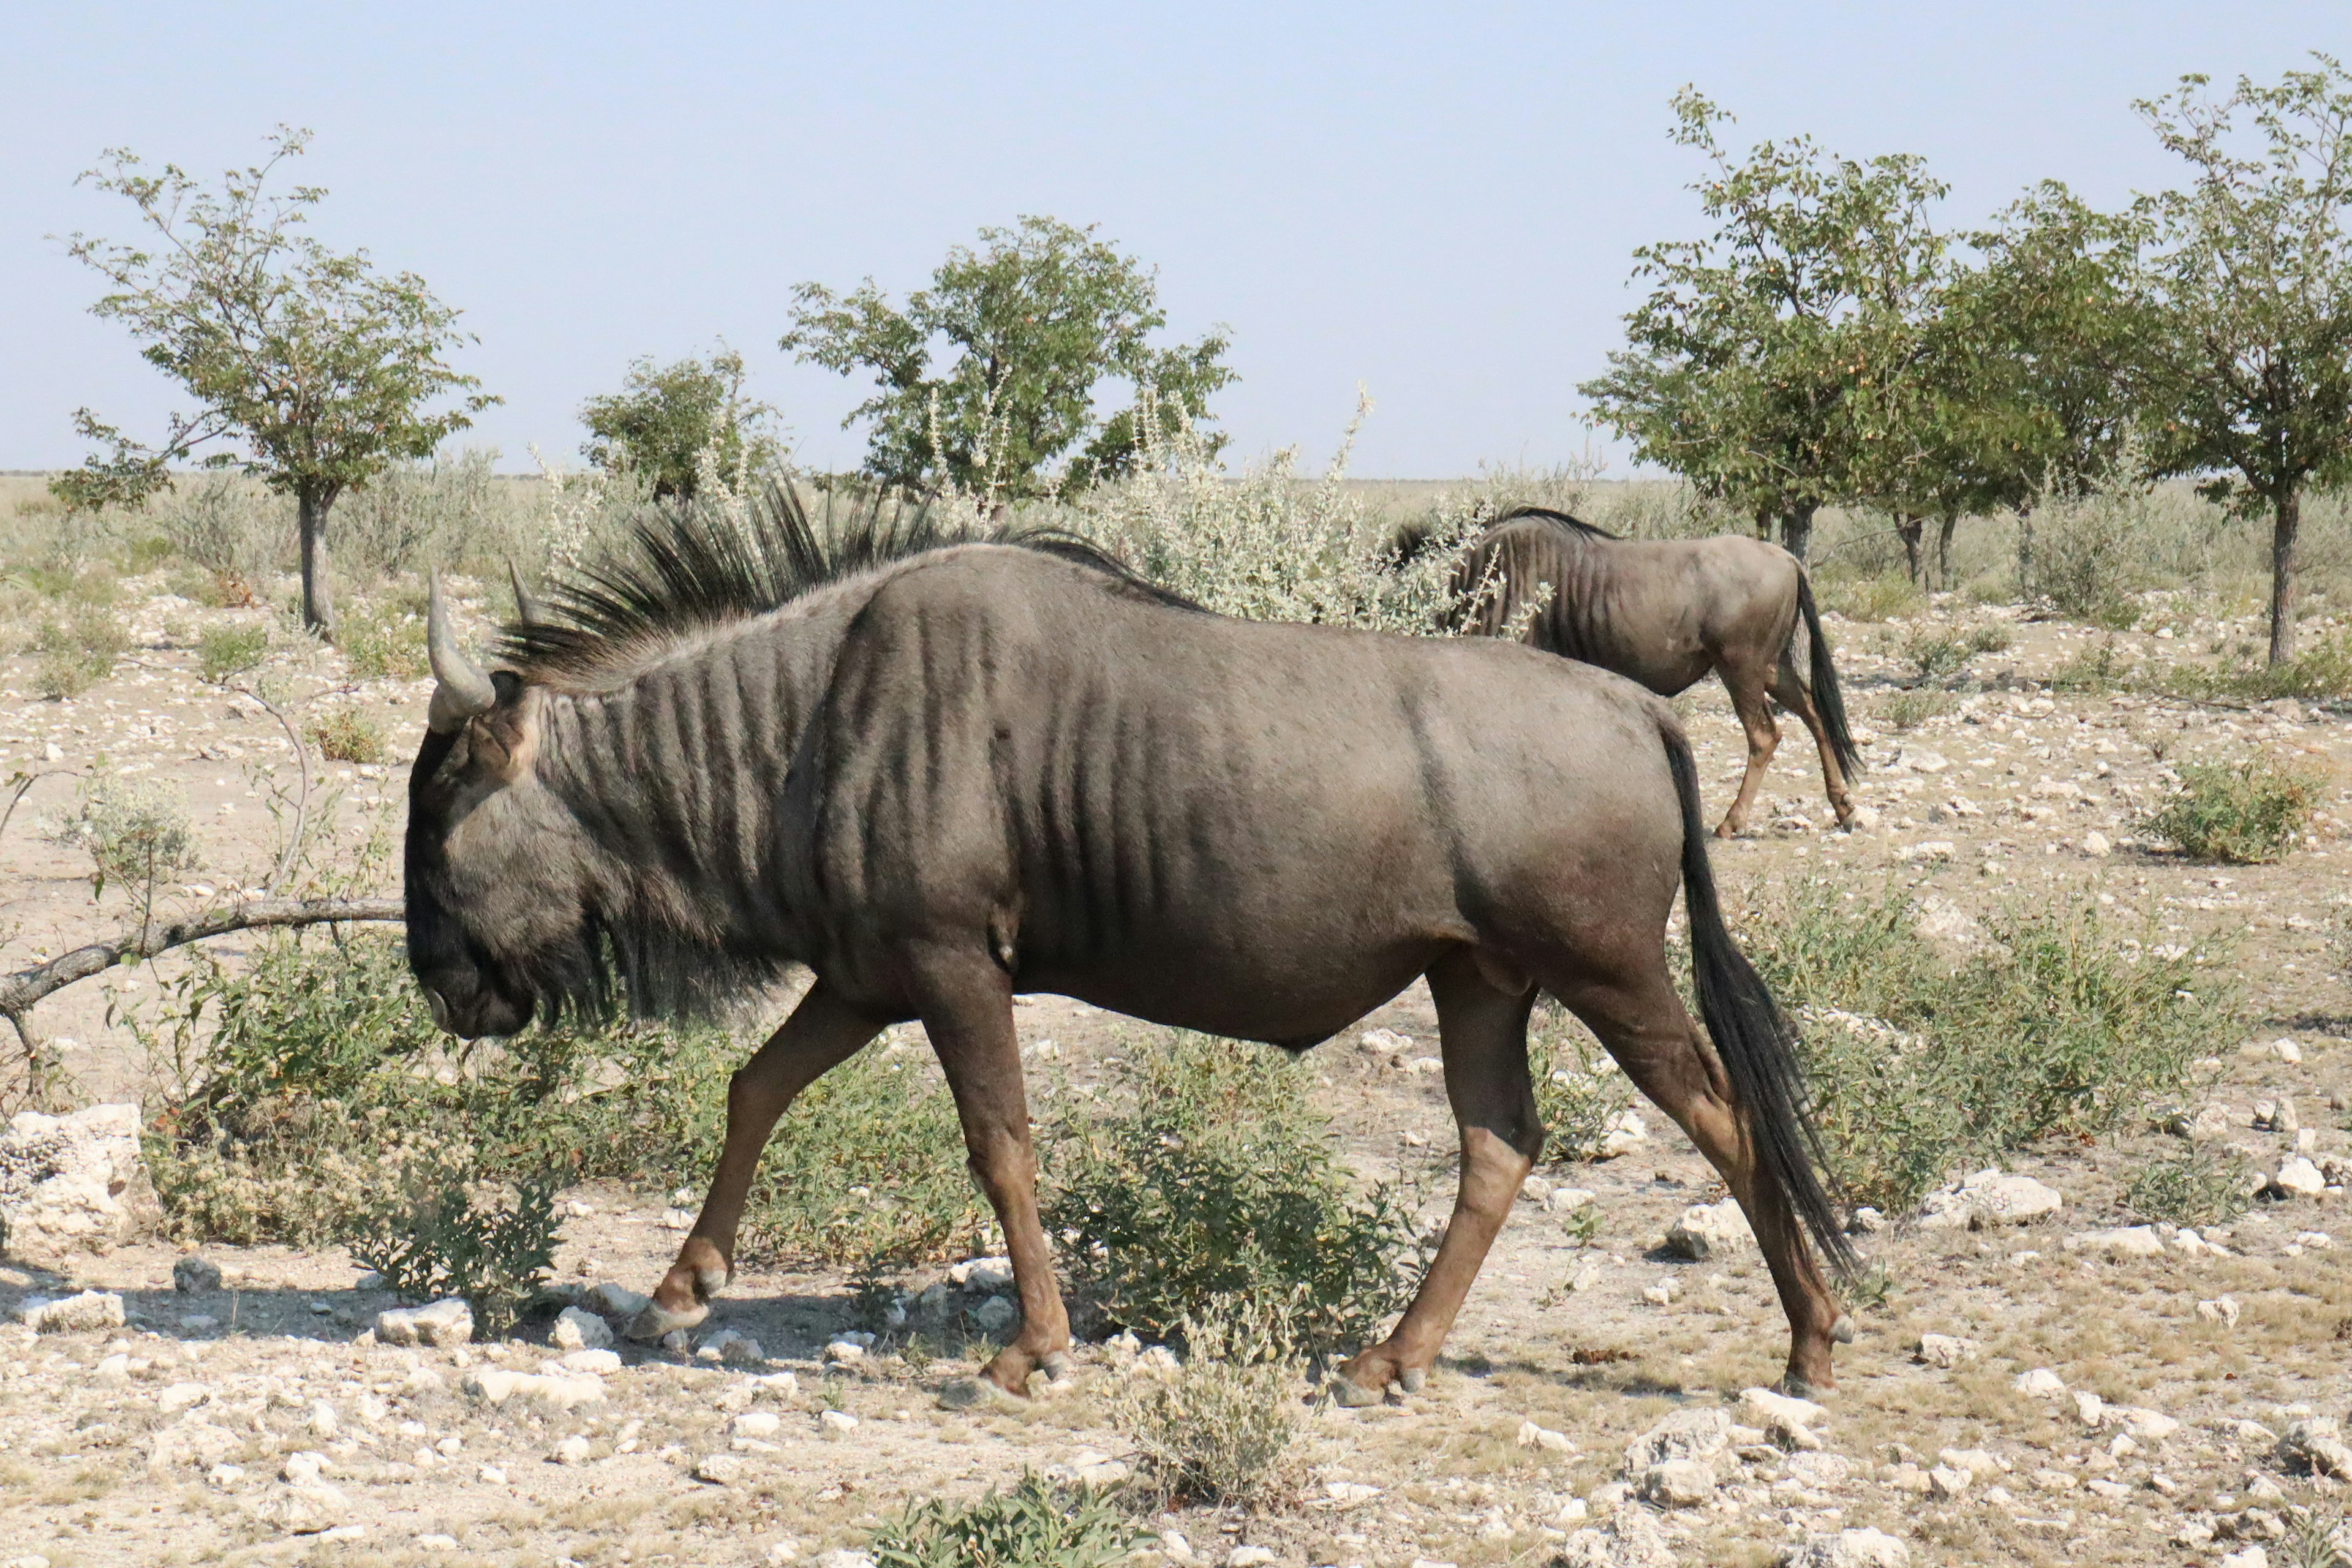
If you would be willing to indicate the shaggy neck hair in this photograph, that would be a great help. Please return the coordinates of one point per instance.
(669, 723)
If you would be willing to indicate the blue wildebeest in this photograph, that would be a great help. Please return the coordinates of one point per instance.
(940, 774)
(1665, 613)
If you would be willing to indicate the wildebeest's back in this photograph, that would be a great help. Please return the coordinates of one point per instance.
(1116, 792)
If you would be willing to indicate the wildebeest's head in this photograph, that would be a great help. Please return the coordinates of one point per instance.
(497, 897)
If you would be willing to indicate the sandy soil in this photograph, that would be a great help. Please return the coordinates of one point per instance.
(165, 1441)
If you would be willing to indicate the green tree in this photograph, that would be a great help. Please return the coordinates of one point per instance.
(665, 417)
(1034, 321)
(1743, 365)
(320, 366)
(2248, 281)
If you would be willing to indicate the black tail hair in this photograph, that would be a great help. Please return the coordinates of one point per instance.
(1751, 1036)
(1827, 700)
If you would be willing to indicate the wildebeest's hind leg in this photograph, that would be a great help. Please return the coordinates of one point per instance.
(968, 1010)
(822, 1033)
(1639, 1018)
(1797, 698)
(1752, 700)
(1483, 1033)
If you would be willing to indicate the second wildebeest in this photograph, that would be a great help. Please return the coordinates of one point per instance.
(980, 769)
(1665, 613)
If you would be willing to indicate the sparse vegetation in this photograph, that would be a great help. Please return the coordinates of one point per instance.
(136, 833)
(2199, 1185)
(230, 649)
(1907, 710)
(462, 1242)
(348, 735)
(1579, 1090)
(79, 649)
(1221, 1427)
(384, 642)
(1033, 1524)
(2247, 813)
(1936, 653)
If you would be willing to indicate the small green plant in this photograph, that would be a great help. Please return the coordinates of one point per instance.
(136, 833)
(226, 650)
(458, 1242)
(2247, 813)
(1221, 1429)
(383, 643)
(1033, 1525)
(1937, 654)
(79, 650)
(1216, 1178)
(2197, 1186)
(348, 735)
(1579, 1092)
(2319, 1536)
(2096, 671)
(1908, 710)
(1878, 598)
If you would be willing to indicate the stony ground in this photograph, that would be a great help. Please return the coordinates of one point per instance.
(259, 1419)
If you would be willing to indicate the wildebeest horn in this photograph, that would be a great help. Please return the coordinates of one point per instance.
(462, 690)
(525, 611)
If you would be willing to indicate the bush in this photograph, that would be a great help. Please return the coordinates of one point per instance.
(1909, 709)
(2247, 813)
(459, 1243)
(226, 650)
(2088, 555)
(1579, 1090)
(2197, 1186)
(229, 525)
(136, 833)
(1220, 1429)
(1919, 1067)
(1937, 654)
(1034, 1525)
(1215, 1179)
(1880, 598)
(348, 735)
(80, 651)
(383, 643)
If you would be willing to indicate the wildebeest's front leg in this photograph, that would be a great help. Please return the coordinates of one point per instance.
(823, 1032)
(967, 1007)
(1483, 1034)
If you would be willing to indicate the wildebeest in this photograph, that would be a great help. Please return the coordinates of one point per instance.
(1665, 613)
(937, 774)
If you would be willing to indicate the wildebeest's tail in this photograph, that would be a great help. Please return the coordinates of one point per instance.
(1827, 700)
(1752, 1037)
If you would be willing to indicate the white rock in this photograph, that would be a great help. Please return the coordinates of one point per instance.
(1945, 1483)
(836, 1423)
(579, 1330)
(1678, 1483)
(302, 1468)
(2222, 1309)
(983, 1276)
(2286, 1050)
(615, 1300)
(496, 1385)
(1383, 1043)
(593, 1363)
(2089, 1408)
(87, 1312)
(2122, 1241)
(1928, 849)
(1977, 1462)
(1851, 1548)
(1947, 1351)
(1625, 1132)
(1568, 1200)
(841, 1557)
(71, 1181)
(2298, 1177)
(1787, 1421)
(572, 1451)
(434, 1541)
(194, 1276)
(1633, 1538)
(1249, 1557)
(1695, 1433)
(1534, 1437)
(2041, 1383)
(844, 1352)
(757, 1424)
(730, 1346)
(719, 1469)
(1989, 1198)
(994, 1314)
(2096, 843)
(448, 1322)
(178, 1396)
(2144, 1425)
(2247, 1557)
(1710, 1230)
(323, 1422)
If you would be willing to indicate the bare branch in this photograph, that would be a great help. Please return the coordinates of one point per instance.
(21, 990)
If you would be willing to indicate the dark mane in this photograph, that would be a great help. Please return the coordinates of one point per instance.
(1558, 518)
(686, 567)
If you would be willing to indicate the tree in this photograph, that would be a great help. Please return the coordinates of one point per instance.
(2249, 285)
(1743, 362)
(1037, 319)
(665, 417)
(321, 366)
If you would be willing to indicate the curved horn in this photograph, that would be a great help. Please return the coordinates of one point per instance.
(525, 611)
(462, 690)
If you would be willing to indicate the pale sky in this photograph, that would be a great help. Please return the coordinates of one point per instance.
(1438, 203)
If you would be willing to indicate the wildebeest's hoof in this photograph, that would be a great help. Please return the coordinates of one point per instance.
(1350, 1396)
(1057, 1366)
(1413, 1379)
(649, 1325)
(1797, 1387)
(975, 1392)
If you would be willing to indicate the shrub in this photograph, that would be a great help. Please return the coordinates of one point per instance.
(1579, 1092)
(348, 735)
(2249, 813)
(1919, 1067)
(2197, 1186)
(383, 643)
(1033, 1525)
(1215, 1179)
(226, 650)
(136, 833)
(460, 1243)
(1909, 709)
(80, 651)
(1220, 1429)
(1879, 599)
(1937, 654)
(2088, 558)
(229, 525)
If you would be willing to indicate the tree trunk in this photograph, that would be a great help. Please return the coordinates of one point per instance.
(2025, 551)
(1950, 522)
(318, 594)
(1797, 531)
(2289, 519)
(1764, 523)
(1913, 530)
